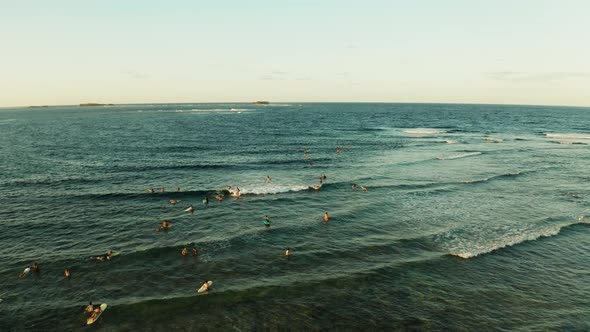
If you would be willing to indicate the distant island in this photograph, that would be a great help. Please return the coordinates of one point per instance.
(40, 106)
(260, 102)
(96, 104)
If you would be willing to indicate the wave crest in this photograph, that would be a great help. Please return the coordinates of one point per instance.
(458, 156)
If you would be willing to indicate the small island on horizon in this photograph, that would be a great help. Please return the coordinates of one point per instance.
(260, 102)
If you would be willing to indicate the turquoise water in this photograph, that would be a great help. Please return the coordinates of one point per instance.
(474, 218)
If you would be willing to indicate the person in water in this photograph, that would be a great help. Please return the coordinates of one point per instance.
(238, 191)
(162, 190)
(353, 186)
(25, 273)
(195, 251)
(150, 190)
(206, 286)
(95, 312)
(173, 201)
(165, 226)
(219, 197)
(206, 200)
(288, 252)
(267, 179)
(190, 209)
(89, 308)
(184, 252)
(178, 189)
(326, 217)
(365, 189)
(266, 220)
(36, 268)
(67, 273)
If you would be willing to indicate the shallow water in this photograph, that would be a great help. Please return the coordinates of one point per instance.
(456, 232)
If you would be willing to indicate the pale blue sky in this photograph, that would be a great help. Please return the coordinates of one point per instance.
(122, 51)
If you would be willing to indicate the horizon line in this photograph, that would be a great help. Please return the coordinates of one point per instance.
(287, 102)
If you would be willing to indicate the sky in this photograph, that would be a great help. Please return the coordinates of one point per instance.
(453, 51)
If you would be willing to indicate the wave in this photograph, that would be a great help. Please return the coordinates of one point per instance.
(568, 136)
(423, 131)
(268, 189)
(47, 180)
(513, 239)
(457, 156)
(493, 140)
(499, 176)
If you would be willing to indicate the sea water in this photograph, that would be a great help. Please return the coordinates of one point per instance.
(474, 218)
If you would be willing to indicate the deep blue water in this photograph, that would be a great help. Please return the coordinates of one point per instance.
(475, 217)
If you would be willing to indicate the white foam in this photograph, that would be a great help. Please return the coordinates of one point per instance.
(493, 140)
(508, 240)
(568, 136)
(423, 131)
(268, 189)
(457, 156)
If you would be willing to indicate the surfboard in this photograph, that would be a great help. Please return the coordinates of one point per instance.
(267, 223)
(202, 289)
(91, 319)
(189, 209)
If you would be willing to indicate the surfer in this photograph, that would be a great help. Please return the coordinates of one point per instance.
(184, 252)
(190, 209)
(219, 197)
(173, 202)
(89, 308)
(237, 191)
(178, 189)
(206, 200)
(365, 189)
(162, 190)
(266, 220)
(353, 186)
(165, 226)
(326, 217)
(338, 150)
(25, 273)
(36, 268)
(95, 313)
(150, 190)
(67, 273)
(288, 252)
(205, 286)
(267, 179)
(195, 251)
(321, 179)
(108, 255)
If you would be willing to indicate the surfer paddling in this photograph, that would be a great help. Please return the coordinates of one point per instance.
(326, 217)
(25, 272)
(165, 226)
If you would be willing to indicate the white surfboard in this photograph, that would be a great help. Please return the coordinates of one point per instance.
(91, 319)
(202, 289)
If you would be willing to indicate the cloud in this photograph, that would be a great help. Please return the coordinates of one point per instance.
(134, 74)
(518, 76)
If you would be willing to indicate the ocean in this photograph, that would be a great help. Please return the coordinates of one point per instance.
(475, 217)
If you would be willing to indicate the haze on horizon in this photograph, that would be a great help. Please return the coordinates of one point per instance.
(457, 51)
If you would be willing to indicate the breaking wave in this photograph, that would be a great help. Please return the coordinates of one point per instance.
(423, 131)
(568, 136)
(510, 239)
(458, 156)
